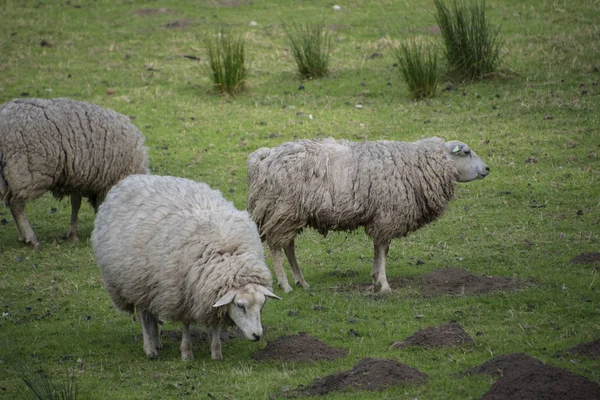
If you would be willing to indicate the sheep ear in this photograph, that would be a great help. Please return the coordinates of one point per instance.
(456, 150)
(268, 293)
(226, 299)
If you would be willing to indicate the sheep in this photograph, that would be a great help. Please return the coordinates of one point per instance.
(174, 249)
(390, 188)
(66, 147)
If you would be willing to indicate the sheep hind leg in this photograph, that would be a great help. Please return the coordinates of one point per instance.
(24, 229)
(75, 204)
(149, 333)
(279, 271)
(379, 277)
(290, 252)
(186, 343)
(215, 345)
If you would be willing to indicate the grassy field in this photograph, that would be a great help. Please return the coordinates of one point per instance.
(536, 124)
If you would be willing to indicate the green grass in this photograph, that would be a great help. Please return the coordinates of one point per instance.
(226, 57)
(418, 68)
(310, 45)
(472, 44)
(56, 314)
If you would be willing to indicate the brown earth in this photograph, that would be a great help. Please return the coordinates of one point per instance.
(525, 378)
(298, 348)
(453, 281)
(448, 335)
(370, 374)
(586, 258)
(589, 349)
(446, 281)
(152, 11)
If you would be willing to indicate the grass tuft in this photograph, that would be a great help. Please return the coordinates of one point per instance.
(42, 386)
(418, 67)
(226, 57)
(472, 44)
(310, 45)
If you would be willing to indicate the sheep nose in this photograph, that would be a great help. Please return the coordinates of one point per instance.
(256, 337)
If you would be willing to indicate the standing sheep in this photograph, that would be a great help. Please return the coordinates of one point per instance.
(176, 250)
(66, 147)
(390, 188)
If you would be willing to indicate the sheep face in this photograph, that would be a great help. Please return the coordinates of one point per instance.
(467, 163)
(244, 306)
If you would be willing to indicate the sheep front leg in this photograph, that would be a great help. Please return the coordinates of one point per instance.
(290, 252)
(186, 343)
(24, 229)
(149, 333)
(379, 277)
(279, 271)
(215, 345)
(75, 204)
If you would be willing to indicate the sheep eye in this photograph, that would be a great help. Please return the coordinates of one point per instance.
(241, 306)
(467, 152)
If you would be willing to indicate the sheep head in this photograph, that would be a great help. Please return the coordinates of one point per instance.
(468, 164)
(244, 305)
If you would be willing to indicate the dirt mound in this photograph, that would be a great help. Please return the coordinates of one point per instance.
(504, 365)
(371, 374)
(590, 349)
(586, 258)
(448, 335)
(298, 348)
(525, 378)
(454, 281)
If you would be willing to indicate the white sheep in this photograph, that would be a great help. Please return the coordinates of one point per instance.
(390, 188)
(174, 249)
(66, 147)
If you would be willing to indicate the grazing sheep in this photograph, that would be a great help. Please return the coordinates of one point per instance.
(390, 188)
(175, 249)
(66, 147)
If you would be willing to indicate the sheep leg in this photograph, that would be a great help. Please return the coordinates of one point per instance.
(379, 278)
(75, 204)
(186, 343)
(215, 345)
(279, 271)
(290, 252)
(24, 229)
(149, 333)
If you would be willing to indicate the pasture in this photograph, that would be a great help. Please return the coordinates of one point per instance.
(536, 123)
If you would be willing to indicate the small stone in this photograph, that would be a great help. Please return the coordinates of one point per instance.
(358, 106)
(253, 23)
(547, 116)
(336, 8)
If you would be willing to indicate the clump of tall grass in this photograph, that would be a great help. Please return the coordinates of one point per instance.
(42, 386)
(310, 44)
(472, 44)
(418, 67)
(226, 58)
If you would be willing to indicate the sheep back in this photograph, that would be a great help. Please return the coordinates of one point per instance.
(391, 188)
(174, 246)
(66, 147)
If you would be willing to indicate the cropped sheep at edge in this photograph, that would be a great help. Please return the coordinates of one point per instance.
(66, 147)
(175, 249)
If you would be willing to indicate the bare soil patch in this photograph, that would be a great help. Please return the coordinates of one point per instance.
(370, 374)
(525, 378)
(448, 335)
(152, 11)
(178, 24)
(453, 281)
(586, 258)
(299, 348)
(589, 349)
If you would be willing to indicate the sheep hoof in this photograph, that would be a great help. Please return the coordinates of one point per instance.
(303, 284)
(218, 356)
(73, 237)
(285, 287)
(188, 356)
(382, 288)
(152, 355)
